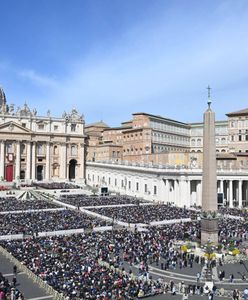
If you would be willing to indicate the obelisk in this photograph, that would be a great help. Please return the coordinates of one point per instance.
(209, 221)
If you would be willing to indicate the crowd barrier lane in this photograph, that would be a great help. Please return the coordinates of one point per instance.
(31, 210)
(64, 204)
(11, 237)
(88, 212)
(174, 221)
(233, 217)
(36, 279)
(102, 228)
(107, 206)
(44, 234)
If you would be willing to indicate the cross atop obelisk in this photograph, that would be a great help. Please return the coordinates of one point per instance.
(209, 96)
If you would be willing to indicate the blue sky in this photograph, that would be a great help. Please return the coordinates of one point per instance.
(110, 58)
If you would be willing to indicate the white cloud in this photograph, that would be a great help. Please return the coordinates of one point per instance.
(37, 79)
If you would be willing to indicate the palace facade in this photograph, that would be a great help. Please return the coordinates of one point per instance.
(37, 147)
(160, 159)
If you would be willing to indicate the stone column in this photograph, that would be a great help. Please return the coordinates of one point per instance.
(160, 191)
(246, 192)
(82, 162)
(18, 160)
(28, 161)
(167, 190)
(48, 161)
(174, 198)
(198, 192)
(184, 193)
(221, 186)
(240, 193)
(2, 160)
(231, 193)
(63, 161)
(33, 167)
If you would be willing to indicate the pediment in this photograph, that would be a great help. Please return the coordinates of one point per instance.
(12, 127)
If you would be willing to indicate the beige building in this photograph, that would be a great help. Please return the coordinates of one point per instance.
(157, 140)
(34, 147)
(143, 138)
(221, 133)
(238, 131)
(94, 134)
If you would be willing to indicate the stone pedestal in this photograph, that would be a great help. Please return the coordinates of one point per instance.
(209, 231)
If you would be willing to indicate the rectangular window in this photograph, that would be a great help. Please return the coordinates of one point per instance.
(24, 125)
(109, 180)
(240, 138)
(115, 182)
(129, 185)
(9, 148)
(155, 190)
(41, 126)
(145, 188)
(137, 186)
(55, 127)
(73, 127)
(39, 149)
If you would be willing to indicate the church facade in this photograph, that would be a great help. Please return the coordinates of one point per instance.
(34, 147)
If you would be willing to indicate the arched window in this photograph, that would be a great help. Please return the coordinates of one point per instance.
(199, 142)
(55, 150)
(193, 142)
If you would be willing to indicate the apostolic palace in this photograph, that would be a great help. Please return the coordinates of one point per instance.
(148, 156)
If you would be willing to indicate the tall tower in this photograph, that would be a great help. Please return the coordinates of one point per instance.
(209, 221)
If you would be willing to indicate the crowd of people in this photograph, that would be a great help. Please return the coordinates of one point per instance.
(234, 212)
(233, 231)
(72, 264)
(112, 264)
(12, 204)
(8, 290)
(56, 185)
(42, 221)
(146, 214)
(80, 200)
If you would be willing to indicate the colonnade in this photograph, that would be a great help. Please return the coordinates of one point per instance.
(26, 162)
(189, 192)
